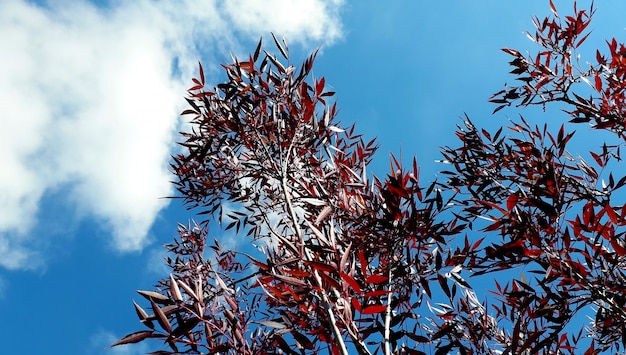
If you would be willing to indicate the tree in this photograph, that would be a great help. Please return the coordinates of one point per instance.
(345, 263)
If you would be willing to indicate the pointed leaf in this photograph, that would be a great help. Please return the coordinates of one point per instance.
(174, 290)
(201, 73)
(154, 296)
(511, 201)
(344, 257)
(377, 279)
(351, 282)
(553, 8)
(323, 214)
(598, 81)
(378, 308)
(187, 289)
(143, 315)
(161, 317)
(319, 266)
(280, 48)
(136, 337)
(273, 324)
(186, 327)
(258, 50)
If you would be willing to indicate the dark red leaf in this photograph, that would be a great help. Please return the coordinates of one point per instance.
(136, 337)
(512, 52)
(201, 73)
(161, 317)
(582, 40)
(351, 282)
(356, 304)
(185, 327)
(257, 51)
(553, 8)
(374, 309)
(597, 158)
(533, 252)
(512, 201)
(321, 266)
(377, 279)
(319, 86)
(598, 82)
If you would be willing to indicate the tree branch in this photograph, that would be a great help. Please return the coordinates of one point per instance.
(318, 279)
(388, 315)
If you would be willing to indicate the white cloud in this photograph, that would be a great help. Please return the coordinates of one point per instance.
(320, 19)
(91, 99)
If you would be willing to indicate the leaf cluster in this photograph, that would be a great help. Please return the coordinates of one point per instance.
(348, 263)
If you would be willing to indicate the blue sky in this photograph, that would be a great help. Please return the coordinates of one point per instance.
(90, 93)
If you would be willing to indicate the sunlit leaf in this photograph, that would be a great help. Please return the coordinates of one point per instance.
(161, 317)
(136, 337)
(174, 290)
(155, 296)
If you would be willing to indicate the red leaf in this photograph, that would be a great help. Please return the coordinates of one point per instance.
(259, 264)
(185, 327)
(378, 308)
(533, 252)
(297, 273)
(582, 40)
(376, 279)
(493, 205)
(351, 282)
(619, 249)
(356, 304)
(598, 83)
(363, 262)
(553, 9)
(201, 73)
(319, 86)
(596, 157)
(477, 243)
(136, 337)
(512, 52)
(320, 266)
(511, 201)
(611, 213)
(591, 349)
(161, 317)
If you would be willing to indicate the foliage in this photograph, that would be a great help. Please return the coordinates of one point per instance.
(346, 263)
